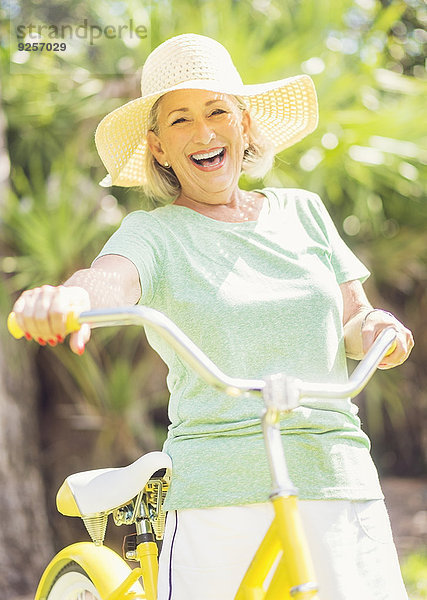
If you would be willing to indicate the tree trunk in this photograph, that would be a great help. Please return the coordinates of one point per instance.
(25, 538)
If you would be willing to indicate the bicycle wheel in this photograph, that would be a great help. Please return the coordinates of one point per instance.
(73, 583)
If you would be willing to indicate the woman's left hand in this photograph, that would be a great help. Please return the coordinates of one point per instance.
(376, 321)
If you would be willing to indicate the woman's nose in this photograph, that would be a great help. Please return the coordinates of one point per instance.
(203, 133)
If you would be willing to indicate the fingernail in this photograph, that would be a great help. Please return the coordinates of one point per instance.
(41, 341)
(80, 349)
(28, 336)
(52, 342)
(60, 338)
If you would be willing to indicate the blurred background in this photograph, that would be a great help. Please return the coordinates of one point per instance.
(60, 413)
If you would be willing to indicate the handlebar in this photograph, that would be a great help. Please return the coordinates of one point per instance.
(285, 392)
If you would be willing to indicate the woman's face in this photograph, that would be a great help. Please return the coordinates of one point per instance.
(202, 135)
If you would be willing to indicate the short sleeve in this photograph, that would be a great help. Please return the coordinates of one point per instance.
(141, 240)
(345, 263)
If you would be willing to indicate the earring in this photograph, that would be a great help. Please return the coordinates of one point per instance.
(166, 164)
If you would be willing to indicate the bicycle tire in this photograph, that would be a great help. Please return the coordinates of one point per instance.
(73, 583)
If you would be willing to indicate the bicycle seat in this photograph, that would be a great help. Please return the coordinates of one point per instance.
(102, 490)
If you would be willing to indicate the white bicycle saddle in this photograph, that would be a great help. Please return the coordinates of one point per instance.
(102, 490)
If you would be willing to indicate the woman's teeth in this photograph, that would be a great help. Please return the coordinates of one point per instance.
(204, 155)
(211, 158)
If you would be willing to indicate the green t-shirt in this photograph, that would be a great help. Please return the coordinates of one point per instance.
(258, 298)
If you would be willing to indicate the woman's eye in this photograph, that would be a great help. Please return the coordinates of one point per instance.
(215, 112)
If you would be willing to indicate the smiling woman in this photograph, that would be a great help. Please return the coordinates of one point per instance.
(263, 283)
(202, 137)
(162, 185)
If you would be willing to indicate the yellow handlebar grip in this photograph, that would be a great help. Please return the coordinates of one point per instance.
(391, 349)
(72, 324)
(13, 326)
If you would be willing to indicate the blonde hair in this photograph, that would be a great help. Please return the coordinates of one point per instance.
(162, 185)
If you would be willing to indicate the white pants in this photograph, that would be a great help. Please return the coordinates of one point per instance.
(207, 551)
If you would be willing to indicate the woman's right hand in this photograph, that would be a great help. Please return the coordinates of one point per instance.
(42, 313)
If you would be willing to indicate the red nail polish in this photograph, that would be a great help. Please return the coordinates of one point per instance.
(28, 336)
(52, 342)
(41, 341)
(60, 338)
(80, 349)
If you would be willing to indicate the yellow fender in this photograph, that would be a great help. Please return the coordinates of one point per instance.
(105, 567)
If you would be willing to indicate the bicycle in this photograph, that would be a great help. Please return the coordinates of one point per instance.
(134, 494)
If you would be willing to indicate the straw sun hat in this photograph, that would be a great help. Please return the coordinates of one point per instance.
(285, 110)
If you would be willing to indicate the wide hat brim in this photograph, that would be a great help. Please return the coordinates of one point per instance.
(285, 112)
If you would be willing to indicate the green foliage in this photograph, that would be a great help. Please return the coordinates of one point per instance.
(49, 225)
(367, 159)
(414, 571)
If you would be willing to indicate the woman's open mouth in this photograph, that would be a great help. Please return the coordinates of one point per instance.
(209, 161)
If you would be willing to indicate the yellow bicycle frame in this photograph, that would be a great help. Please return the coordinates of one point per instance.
(280, 570)
(282, 552)
(283, 547)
